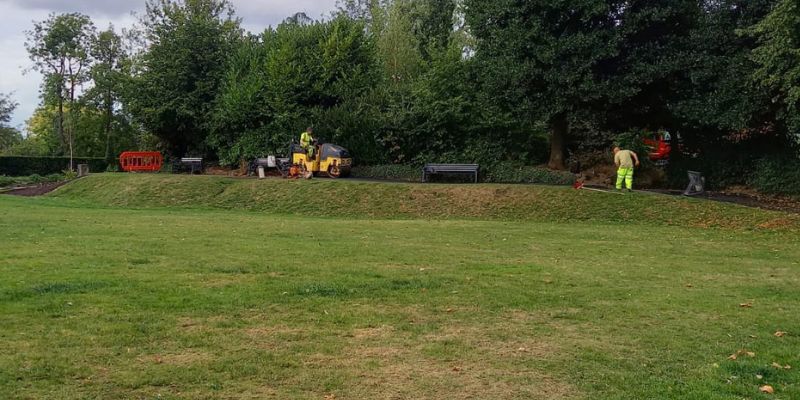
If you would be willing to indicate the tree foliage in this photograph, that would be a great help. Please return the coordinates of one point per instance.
(59, 48)
(287, 79)
(778, 59)
(173, 95)
(502, 82)
(9, 136)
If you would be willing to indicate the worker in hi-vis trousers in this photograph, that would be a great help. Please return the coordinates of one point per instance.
(626, 161)
(307, 142)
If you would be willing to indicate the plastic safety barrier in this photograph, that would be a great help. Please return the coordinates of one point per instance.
(140, 161)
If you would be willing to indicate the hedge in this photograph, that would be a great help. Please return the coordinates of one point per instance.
(780, 175)
(24, 166)
(498, 173)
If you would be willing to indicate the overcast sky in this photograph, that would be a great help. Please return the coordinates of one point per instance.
(18, 16)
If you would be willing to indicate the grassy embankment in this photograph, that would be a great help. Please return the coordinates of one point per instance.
(326, 198)
(101, 300)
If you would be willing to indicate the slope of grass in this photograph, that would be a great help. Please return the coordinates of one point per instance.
(171, 303)
(327, 198)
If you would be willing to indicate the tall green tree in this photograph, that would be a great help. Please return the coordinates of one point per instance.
(719, 96)
(9, 136)
(562, 61)
(60, 49)
(292, 77)
(109, 76)
(189, 45)
(778, 59)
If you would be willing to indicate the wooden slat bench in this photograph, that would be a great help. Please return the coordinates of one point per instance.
(440, 169)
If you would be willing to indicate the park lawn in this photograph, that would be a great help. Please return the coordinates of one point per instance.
(105, 302)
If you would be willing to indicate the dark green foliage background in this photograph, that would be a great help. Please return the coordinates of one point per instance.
(24, 166)
(501, 83)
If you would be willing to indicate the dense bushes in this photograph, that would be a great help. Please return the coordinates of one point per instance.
(514, 173)
(776, 176)
(497, 173)
(24, 166)
(8, 181)
(396, 172)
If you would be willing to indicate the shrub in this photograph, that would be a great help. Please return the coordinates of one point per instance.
(395, 172)
(8, 181)
(36, 178)
(497, 173)
(514, 173)
(776, 176)
(24, 166)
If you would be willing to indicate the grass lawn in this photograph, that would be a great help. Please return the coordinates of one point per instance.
(102, 301)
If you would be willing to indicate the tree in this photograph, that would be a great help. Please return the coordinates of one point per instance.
(778, 59)
(59, 49)
(562, 62)
(719, 97)
(292, 77)
(109, 77)
(9, 136)
(189, 45)
(433, 25)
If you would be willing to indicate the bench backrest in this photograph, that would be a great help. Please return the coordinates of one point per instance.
(452, 167)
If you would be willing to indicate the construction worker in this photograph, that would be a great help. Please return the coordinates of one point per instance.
(625, 160)
(307, 142)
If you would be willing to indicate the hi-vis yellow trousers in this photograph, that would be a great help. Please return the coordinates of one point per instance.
(625, 175)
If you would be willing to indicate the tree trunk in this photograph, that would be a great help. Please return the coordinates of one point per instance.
(109, 118)
(60, 127)
(60, 92)
(559, 127)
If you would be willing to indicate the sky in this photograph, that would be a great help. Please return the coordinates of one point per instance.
(18, 16)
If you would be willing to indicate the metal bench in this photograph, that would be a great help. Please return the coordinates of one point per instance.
(193, 165)
(440, 169)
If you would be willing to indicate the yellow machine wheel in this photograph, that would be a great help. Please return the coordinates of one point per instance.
(334, 171)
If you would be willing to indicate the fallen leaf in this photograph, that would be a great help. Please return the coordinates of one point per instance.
(767, 389)
(740, 353)
(746, 305)
(778, 366)
(780, 334)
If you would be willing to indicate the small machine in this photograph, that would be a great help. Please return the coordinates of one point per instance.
(329, 159)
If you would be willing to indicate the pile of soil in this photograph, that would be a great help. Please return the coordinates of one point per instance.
(38, 190)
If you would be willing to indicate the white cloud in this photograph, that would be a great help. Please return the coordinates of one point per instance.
(18, 16)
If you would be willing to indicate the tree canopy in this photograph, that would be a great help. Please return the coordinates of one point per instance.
(413, 81)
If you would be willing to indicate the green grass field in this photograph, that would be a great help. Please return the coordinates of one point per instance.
(113, 288)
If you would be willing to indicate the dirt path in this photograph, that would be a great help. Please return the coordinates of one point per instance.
(766, 202)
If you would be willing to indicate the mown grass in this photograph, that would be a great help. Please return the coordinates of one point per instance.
(326, 198)
(100, 302)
